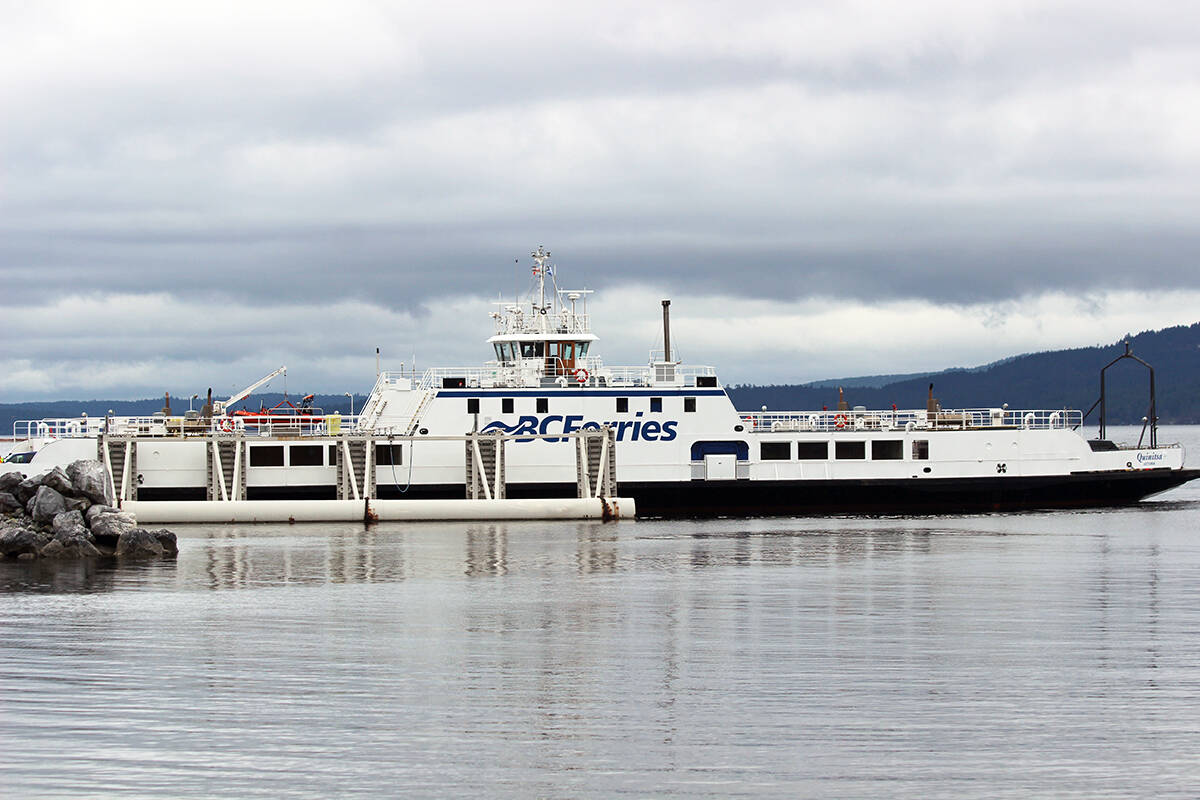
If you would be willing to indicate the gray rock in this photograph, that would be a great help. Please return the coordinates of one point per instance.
(57, 480)
(167, 539)
(107, 528)
(27, 489)
(80, 504)
(90, 480)
(16, 541)
(9, 480)
(69, 548)
(44, 505)
(139, 543)
(69, 524)
(96, 510)
(9, 503)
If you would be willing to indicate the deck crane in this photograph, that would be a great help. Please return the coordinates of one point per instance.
(220, 408)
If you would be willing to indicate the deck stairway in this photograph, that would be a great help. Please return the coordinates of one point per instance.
(118, 454)
(226, 467)
(596, 463)
(355, 468)
(485, 467)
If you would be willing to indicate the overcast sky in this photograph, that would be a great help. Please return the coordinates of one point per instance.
(192, 194)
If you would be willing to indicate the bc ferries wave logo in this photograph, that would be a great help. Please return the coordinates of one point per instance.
(636, 430)
(1149, 458)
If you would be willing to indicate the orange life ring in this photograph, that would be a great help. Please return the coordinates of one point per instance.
(581, 375)
(748, 422)
(840, 420)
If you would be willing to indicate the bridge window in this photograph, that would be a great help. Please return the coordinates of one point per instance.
(850, 450)
(775, 451)
(812, 451)
(622, 405)
(689, 404)
(887, 450)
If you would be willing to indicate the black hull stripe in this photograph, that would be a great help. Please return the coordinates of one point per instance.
(766, 498)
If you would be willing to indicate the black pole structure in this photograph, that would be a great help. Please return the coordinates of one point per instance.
(1152, 417)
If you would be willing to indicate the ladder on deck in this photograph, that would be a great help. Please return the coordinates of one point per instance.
(118, 454)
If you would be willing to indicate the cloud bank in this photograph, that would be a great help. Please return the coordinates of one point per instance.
(225, 173)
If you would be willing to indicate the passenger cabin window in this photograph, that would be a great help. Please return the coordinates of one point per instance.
(506, 405)
(389, 454)
(920, 450)
(472, 405)
(266, 456)
(850, 450)
(581, 350)
(531, 349)
(887, 450)
(306, 455)
(689, 404)
(655, 405)
(775, 451)
(812, 451)
(543, 405)
(622, 405)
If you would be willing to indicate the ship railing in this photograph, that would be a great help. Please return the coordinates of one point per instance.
(890, 420)
(527, 322)
(658, 374)
(57, 427)
(159, 425)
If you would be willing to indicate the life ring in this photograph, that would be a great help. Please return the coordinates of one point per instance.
(581, 375)
(839, 421)
(226, 425)
(748, 422)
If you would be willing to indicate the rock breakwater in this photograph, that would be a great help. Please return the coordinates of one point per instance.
(68, 514)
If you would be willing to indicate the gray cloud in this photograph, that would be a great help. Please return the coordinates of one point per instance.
(291, 155)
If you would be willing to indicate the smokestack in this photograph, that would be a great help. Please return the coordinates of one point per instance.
(666, 330)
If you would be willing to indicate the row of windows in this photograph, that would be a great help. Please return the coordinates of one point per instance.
(313, 455)
(881, 450)
(542, 405)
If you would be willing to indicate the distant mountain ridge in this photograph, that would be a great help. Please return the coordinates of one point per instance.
(1051, 379)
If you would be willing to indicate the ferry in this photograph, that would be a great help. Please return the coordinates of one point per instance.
(545, 417)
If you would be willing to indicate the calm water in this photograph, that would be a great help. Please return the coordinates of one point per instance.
(1039, 654)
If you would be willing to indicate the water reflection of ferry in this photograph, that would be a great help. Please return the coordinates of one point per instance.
(564, 422)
